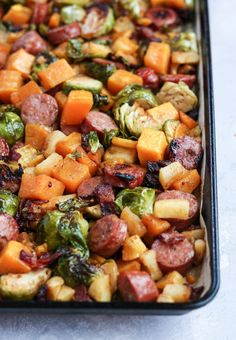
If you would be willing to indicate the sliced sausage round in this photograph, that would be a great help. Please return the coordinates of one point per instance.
(4, 148)
(14, 155)
(31, 42)
(189, 79)
(99, 122)
(123, 175)
(173, 252)
(8, 227)
(68, 129)
(185, 150)
(87, 188)
(150, 78)
(137, 286)
(39, 14)
(193, 207)
(107, 235)
(61, 34)
(163, 17)
(39, 109)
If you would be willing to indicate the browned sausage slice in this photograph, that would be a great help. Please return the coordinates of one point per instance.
(4, 148)
(8, 227)
(99, 122)
(150, 78)
(163, 17)
(185, 150)
(39, 109)
(173, 252)
(123, 175)
(39, 13)
(137, 286)
(107, 235)
(31, 42)
(193, 207)
(189, 79)
(87, 188)
(61, 34)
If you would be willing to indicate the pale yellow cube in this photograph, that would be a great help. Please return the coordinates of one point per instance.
(149, 262)
(133, 248)
(120, 154)
(172, 208)
(134, 223)
(51, 141)
(110, 268)
(171, 173)
(46, 166)
(170, 278)
(100, 289)
(178, 292)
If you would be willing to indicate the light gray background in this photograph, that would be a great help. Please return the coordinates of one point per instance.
(217, 320)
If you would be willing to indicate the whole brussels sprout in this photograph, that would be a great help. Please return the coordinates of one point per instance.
(57, 229)
(185, 41)
(137, 8)
(99, 21)
(178, 95)
(8, 202)
(140, 200)
(11, 127)
(76, 270)
(97, 70)
(70, 14)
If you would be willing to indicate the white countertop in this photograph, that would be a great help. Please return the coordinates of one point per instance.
(218, 319)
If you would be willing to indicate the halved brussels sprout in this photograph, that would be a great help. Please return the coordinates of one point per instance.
(58, 228)
(82, 83)
(23, 286)
(72, 2)
(129, 110)
(99, 21)
(178, 95)
(11, 127)
(140, 200)
(78, 51)
(98, 70)
(42, 60)
(169, 128)
(185, 41)
(8, 202)
(137, 8)
(70, 14)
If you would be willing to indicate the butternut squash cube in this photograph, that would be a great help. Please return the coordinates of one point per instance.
(23, 92)
(10, 261)
(127, 266)
(151, 145)
(18, 15)
(10, 81)
(189, 182)
(163, 113)
(158, 56)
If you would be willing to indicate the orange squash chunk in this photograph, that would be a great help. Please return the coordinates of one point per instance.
(69, 144)
(10, 81)
(10, 261)
(121, 78)
(157, 57)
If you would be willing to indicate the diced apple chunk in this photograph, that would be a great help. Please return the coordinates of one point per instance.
(194, 234)
(133, 248)
(110, 268)
(171, 173)
(172, 208)
(127, 266)
(100, 289)
(178, 292)
(46, 166)
(51, 141)
(134, 224)
(165, 299)
(200, 251)
(170, 278)
(149, 262)
(120, 154)
(65, 294)
(54, 285)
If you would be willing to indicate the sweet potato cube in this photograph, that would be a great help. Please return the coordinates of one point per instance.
(10, 81)
(10, 261)
(18, 15)
(36, 135)
(151, 145)
(180, 4)
(155, 226)
(127, 266)
(4, 51)
(55, 74)
(157, 57)
(77, 106)
(189, 182)
(41, 187)
(163, 112)
(121, 78)
(84, 159)
(71, 173)
(69, 144)
(61, 99)
(23, 92)
(20, 61)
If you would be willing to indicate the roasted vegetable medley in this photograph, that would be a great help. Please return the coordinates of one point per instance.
(100, 151)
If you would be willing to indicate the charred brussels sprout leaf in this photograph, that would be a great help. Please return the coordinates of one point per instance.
(101, 71)
(178, 95)
(74, 50)
(93, 141)
(11, 127)
(99, 21)
(136, 93)
(9, 108)
(140, 200)
(185, 41)
(71, 204)
(100, 100)
(63, 229)
(137, 8)
(108, 135)
(76, 270)
(78, 51)
(72, 2)
(70, 14)
(42, 60)
(8, 202)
